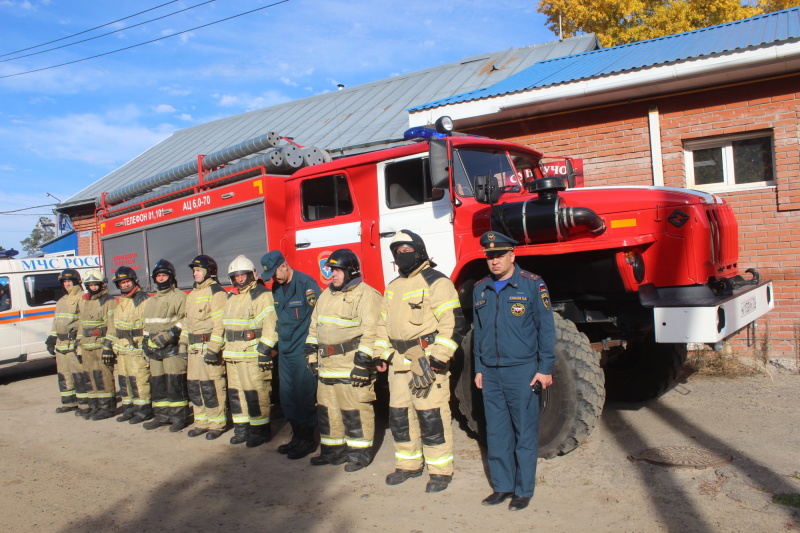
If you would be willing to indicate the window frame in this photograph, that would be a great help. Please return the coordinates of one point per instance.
(725, 143)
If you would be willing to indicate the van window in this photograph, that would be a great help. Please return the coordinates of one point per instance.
(325, 197)
(42, 289)
(5, 294)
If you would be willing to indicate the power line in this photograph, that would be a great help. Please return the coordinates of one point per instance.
(105, 34)
(146, 42)
(87, 31)
(25, 209)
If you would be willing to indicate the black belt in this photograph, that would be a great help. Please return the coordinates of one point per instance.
(96, 332)
(67, 336)
(404, 346)
(244, 335)
(199, 337)
(326, 350)
(129, 334)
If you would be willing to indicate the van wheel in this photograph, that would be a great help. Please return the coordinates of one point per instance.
(569, 409)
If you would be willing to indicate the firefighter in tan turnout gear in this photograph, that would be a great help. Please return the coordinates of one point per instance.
(124, 344)
(249, 320)
(420, 328)
(61, 343)
(163, 321)
(202, 338)
(339, 350)
(96, 312)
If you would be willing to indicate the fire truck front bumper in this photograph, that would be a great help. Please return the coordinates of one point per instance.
(695, 314)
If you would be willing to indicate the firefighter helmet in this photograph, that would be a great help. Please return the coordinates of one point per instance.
(123, 273)
(415, 241)
(70, 274)
(347, 261)
(164, 267)
(94, 277)
(242, 265)
(206, 263)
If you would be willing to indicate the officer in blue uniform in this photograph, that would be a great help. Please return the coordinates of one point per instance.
(295, 296)
(514, 342)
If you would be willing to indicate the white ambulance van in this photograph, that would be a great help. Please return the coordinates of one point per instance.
(29, 289)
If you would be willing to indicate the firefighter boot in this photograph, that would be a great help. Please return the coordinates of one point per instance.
(66, 408)
(398, 476)
(127, 414)
(141, 414)
(155, 423)
(105, 408)
(240, 432)
(84, 410)
(259, 435)
(358, 458)
(179, 416)
(438, 483)
(307, 444)
(330, 455)
(289, 446)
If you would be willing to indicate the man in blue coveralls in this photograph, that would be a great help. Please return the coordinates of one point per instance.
(295, 295)
(514, 344)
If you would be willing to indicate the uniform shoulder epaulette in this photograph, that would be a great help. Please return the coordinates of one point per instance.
(529, 275)
(215, 288)
(481, 281)
(431, 275)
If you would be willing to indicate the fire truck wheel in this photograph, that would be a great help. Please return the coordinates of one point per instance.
(569, 409)
(645, 370)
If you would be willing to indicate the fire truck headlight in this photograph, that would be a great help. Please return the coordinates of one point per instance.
(444, 125)
(636, 261)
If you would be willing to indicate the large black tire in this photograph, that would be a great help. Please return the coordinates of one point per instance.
(569, 409)
(645, 370)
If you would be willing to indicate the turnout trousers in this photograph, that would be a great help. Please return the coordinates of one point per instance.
(208, 389)
(168, 388)
(421, 427)
(298, 389)
(79, 378)
(249, 388)
(66, 385)
(99, 380)
(512, 427)
(134, 384)
(347, 419)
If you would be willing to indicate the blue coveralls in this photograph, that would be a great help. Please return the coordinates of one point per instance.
(298, 386)
(514, 339)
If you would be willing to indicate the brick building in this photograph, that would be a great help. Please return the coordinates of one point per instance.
(716, 109)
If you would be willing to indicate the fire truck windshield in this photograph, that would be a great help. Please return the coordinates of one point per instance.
(509, 169)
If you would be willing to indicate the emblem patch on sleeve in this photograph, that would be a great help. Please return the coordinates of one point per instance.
(311, 298)
(545, 299)
(517, 309)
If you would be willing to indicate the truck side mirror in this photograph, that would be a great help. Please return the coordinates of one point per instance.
(440, 163)
(486, 190)
(570, 172)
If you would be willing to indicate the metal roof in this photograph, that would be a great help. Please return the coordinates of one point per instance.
(755, 32)
(353, 120)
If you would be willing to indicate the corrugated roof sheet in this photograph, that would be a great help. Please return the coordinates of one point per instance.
(353, 120)
(755, 32)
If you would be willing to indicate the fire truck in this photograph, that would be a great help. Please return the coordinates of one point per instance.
(635, 273)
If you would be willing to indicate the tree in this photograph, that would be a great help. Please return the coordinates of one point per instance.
(627, 21)
(42, 232)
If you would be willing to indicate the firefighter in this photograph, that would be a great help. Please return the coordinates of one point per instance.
(123, 345)
(61, 343)
(96, 311)
(163, 322)
(295, 295)
(420, 328)
(339, 351)
(249, 320)
(202, 338)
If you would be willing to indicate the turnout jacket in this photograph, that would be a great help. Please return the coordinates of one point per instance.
(249, 317)
(126, 331)
(162, 311)
(516, 325)
(342, 323)
(205, 306)
(66, 321)
(424, 304)
(293, 307)
(96, 312)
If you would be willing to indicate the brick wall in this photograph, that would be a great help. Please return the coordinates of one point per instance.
(85, 227)
(614, 143)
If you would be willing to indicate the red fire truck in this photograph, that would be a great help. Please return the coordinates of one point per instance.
(635, 273)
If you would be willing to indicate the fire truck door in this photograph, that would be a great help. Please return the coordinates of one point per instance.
(329, 220)
(407, 201)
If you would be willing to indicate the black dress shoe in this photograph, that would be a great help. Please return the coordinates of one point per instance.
(496, 498)
(518, 503)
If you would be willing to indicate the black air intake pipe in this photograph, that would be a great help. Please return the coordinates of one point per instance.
(544, 219)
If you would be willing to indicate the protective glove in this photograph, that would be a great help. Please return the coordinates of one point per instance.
(422, 374)
(51, 344)
(265, 361)
(422, 392)
(437, 366)
(108, 357)
(312, 358)
(211, 357)
(361, 376)
(263, 348)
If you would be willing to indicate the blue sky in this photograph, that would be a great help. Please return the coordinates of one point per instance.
(63, 128)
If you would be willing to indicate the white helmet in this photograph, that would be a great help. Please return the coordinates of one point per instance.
(94, 276)
(241, 265)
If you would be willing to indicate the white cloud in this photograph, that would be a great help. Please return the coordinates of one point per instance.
(164, 108)
(41, 100)
(7, 168)
(175, 90)
(185, 116)
(290, 83)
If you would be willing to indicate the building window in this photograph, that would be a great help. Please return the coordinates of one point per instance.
(730, 163)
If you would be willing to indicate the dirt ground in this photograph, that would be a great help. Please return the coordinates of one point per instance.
(61, 473)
